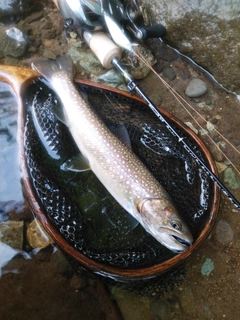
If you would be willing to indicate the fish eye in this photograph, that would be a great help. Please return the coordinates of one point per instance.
(176, 224)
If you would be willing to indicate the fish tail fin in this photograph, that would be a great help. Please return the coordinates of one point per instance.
(47, 68)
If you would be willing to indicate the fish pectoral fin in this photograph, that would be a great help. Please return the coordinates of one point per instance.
(133, 223)
(120, 131)
(77, 164)
(59, 112)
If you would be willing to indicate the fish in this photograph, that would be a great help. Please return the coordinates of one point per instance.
(122, 173)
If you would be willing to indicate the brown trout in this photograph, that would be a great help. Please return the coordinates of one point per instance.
(113, 162)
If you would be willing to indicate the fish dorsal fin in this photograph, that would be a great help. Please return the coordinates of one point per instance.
(78, 163)
(121, 133)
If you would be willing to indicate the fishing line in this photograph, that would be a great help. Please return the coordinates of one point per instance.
(178, 97)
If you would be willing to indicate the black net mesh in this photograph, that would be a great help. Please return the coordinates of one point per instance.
(80, 207)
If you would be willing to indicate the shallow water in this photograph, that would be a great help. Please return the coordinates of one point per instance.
(10, 186)
(44, 287)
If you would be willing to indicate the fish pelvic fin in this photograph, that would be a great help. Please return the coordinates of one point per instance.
(47, 68)
(77, 164)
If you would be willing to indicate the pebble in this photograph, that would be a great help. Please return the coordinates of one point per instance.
(196, 88)
(207, 267)
(169, 73)
(34, 16)
(160, 309)
(231, 178)
(47, 43)
(191, 126)
(221, 166)
(48, 34)
(78, 283)
(204, 106)
(211, 127)
(36, 236)
(217, 154)
(224, 231)
(49, 54)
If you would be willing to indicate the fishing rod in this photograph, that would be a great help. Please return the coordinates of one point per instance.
(132, 86)
(123, 21)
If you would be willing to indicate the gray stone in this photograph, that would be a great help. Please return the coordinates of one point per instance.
(196, 88)
(160, 309)
(224, 231)
(13, 42)
(169, 73)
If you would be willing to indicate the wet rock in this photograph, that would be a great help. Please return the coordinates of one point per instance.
(37, 236)
(207, 31)
(196, 88)
(224, 231)
(13, 42)
(11, 233)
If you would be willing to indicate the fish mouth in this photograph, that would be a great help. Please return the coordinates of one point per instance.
(176, 242)
(182, 243)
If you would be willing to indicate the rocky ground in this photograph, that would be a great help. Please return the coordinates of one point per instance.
(45, 287)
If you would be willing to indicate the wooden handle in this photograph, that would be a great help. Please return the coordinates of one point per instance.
(17, 77)
(104, 48)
